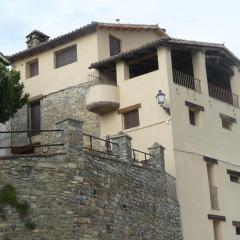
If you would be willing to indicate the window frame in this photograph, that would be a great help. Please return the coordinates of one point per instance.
(28, 68)
(37, 122)
(133, 122)
(64, 50)
(120, 44)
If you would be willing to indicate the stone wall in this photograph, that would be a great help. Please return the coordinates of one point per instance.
(67, 103)
(79, 194)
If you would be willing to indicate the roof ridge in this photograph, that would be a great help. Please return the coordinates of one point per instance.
(80, 30)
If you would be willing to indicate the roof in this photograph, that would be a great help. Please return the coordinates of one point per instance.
(166, 41)
(39, 32)
(89, 28)
(4, 59)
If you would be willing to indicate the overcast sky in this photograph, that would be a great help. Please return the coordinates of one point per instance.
(205, 20)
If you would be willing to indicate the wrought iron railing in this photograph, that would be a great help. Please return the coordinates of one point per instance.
(97, 144)
(214, 197)
(97, 78)
(186, 80)
(223, 95)
(28, 136)
(141, 156)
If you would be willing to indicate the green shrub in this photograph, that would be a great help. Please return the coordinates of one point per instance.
(30, 225)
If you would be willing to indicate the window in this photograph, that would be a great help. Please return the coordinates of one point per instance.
(65, 56)
(114, 45)
(234, 176)
(227, 121)
(131, 119)
(32, 69)
(194, 113)
(192, 117)
(35, 118)
(237, 226)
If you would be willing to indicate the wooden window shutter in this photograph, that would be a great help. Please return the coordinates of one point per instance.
(131, 119)
(33, 69)
(115, 45)
(66, 56)
(35, 118)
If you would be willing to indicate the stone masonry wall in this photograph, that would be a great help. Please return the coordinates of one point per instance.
(70, 102)
(79, 194)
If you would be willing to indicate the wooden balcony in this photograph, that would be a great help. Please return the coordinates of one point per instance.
(186, 80)
(223, 95)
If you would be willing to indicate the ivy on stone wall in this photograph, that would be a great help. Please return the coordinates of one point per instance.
(8, 197)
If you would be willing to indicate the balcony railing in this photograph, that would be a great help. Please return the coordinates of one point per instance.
(214, 197)
(97, 78)
(186, 80)
(223, 95)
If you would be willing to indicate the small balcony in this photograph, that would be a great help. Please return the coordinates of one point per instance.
(102, 96)
(223, 94)
(186, 80)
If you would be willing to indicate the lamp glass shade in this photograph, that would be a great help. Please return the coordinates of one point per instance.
(160, 97)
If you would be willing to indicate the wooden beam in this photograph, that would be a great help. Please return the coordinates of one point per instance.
(216, 217)
(194, 106)
(129, 109)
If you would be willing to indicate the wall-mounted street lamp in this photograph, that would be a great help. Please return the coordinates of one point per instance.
(161, 96)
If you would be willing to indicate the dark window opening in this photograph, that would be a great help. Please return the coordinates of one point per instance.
(143, 65)
(114, 45)
(192, 117)
(131, 119)
(237, 230)
(182, 61)
(226, 124)
(35, 118)
(66, 56)
(234, 178)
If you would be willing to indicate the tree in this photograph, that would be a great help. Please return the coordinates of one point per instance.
(12, 96)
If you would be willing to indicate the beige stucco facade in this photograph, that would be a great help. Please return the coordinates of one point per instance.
(90, 48)
(185, 144)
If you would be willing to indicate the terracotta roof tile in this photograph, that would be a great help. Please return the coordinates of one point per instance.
(77, 33)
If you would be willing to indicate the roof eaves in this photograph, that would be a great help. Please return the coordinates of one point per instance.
(54, 42)
(166, 41)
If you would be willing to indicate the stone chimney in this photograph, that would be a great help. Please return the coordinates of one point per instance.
(35, 38)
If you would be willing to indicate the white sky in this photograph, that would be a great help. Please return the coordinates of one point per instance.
(205, 20)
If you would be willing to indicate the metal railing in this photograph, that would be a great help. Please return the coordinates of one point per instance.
(98, 144)
(214, 197)
(97, 78)
(29, 137)
(223, 95)
(137, 156)
(186, 80)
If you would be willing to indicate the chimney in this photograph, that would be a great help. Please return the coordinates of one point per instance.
(35, 38)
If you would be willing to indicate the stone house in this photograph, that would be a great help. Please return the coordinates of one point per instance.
(109, 75)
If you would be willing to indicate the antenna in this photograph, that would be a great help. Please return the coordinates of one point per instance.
(117, 20)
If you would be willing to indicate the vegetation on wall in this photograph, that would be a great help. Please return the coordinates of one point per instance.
(8, 197)
(12, 96)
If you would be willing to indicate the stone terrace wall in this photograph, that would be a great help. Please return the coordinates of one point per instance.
(70, 102)
(83, 195)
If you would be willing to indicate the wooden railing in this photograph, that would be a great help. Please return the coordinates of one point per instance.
(214, 197)
(223, 95)
(186, 80)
